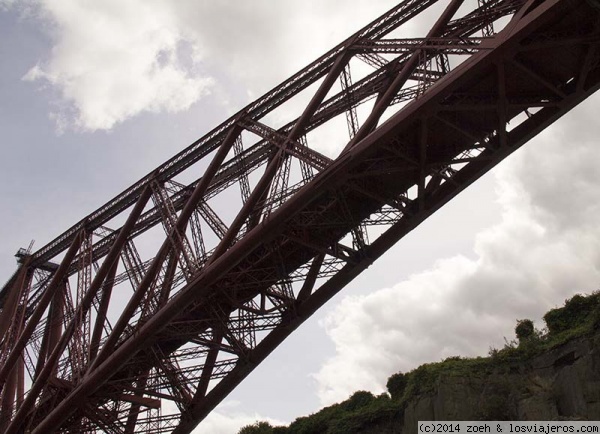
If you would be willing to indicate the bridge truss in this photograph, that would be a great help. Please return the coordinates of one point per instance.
(148, 312)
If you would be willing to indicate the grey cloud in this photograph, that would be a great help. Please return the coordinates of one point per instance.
(545, 249)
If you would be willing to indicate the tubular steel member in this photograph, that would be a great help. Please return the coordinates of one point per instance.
(226, 285)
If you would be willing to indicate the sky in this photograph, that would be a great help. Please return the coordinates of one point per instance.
(94, 95)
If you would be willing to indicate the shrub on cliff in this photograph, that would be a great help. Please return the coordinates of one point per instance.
(574, 314)
(524, 329)
(358, 400)
(396, 385)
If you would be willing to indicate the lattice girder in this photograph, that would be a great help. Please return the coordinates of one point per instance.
(223, 289)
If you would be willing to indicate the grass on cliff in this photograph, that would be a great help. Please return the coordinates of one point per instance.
(361, 410)
(580, 316)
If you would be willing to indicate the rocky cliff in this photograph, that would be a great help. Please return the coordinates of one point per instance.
(549, 375)
(562, 383)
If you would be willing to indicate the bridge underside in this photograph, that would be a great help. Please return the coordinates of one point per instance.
(97, 339)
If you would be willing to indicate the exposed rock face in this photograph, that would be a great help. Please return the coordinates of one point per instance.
(563, 383)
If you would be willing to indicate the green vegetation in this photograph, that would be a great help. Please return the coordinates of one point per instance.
(579, 317)
(578, 314)
(524, 329)
(359, 411)
(396, 385)
(262, 428)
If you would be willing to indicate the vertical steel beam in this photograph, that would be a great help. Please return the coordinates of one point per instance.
(20, 381)
(134, 410)
(209, 364)
(12, 302)
(43, 351)
(111, 258)
(167, 283)
(107, 288)
(392, 90)
(311, 278)
(35, 317)
(56, 318)
(8, 399)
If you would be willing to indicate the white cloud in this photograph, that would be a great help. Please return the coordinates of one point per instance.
(111, 61)
(267, 41)
(546, 248)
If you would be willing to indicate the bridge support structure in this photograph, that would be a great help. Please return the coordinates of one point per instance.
(99, 335)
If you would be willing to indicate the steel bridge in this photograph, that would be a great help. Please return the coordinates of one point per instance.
(148, 312)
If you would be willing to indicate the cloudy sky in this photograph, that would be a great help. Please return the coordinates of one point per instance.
(94, 95)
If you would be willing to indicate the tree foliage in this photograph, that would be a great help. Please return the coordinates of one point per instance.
(574, 313)
(258, 428)
(524, 329)
(396, 385)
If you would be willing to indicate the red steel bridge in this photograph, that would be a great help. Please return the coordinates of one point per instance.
(148, 312)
